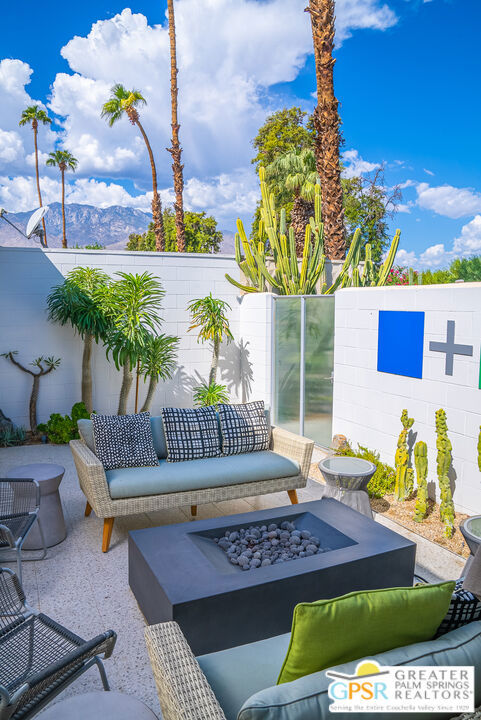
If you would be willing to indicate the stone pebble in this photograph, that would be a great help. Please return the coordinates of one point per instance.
(264, 545)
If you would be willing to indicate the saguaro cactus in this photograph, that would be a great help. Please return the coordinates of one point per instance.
(404, 474)
(444, 457)
(479, 449)
(269, 262)
(421, 463)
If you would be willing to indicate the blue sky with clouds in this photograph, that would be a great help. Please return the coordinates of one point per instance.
(407, 77)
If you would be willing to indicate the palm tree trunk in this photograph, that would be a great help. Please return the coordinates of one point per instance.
(150, 394)
(215, 362)
(127, 379)
(87, 373)
(300, 214)
(64, 236)
(326, 125)
(35, 131)
(156, 204)
(176, 150)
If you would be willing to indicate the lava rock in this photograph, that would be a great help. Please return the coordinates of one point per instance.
(266, 562)
(233, 536)
(271, 527)
(305, 534)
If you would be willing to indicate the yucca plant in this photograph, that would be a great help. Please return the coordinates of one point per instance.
(212, 394)
(77, 301)
(209, 317)
(157, 362)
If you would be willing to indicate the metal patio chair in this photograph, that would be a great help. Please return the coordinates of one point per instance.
(39, 657)
(19, 506)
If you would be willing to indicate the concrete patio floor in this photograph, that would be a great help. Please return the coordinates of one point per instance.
(88, 591)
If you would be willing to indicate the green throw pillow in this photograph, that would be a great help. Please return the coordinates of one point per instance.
(331, 632)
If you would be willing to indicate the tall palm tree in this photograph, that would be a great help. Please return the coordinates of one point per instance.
(326, 125)
(176, 150)
(76, 302)
(127, 101)
(64, 161)
(292, 177)
(33, 115)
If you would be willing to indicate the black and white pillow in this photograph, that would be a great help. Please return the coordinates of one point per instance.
(191, 433)
(464, 608)
(123, 441)
(244, 428)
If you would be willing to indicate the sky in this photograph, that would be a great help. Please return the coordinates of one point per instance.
(407, 76)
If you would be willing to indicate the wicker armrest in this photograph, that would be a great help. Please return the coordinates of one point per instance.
(293, 446)
(91, 475)
(184, 692)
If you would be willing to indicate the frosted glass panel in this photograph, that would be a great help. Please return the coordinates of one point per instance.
(287, 348)
(319, 365)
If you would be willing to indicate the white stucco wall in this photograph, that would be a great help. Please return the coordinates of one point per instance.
(26, 277)
(256, 333)
(368, 403)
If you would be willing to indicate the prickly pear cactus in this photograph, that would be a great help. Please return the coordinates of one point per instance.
(444, 457)
(404, 474)
(421, 463)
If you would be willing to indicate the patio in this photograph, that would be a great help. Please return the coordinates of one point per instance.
(88, 591)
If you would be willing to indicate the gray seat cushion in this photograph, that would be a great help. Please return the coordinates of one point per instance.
(199, 474)
(236, 674)
(307, 698)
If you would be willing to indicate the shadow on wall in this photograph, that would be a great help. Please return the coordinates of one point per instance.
(236, 369)
(26, 278)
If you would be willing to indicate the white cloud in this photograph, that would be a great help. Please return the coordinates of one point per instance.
(469, 242)
(428, 172)
(354, 165)
(15, 141)
(449, 201)
(405, 258)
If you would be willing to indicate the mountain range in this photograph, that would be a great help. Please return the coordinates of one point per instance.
(87, 225)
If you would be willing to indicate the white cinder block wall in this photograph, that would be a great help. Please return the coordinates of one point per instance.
(256, 332)
(368, 403)
(26, 277)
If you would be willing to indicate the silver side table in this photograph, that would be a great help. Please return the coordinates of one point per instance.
(99, 706)
(347, 479)
(50, 514)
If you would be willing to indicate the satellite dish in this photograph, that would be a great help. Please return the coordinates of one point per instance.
(36, 218)
(33, 225)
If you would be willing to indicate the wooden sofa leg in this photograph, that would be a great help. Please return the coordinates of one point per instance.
(193, 510)
(108, 525)
(293, 496)
(88, 509)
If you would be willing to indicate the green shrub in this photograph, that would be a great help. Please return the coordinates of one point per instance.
(383, 480)
(12, 436)
(60, 429)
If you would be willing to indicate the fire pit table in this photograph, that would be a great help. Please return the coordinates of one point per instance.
(347, 479)
(181, 572)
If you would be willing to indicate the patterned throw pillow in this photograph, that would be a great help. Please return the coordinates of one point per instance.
(123, 441)
(244, 428)
(191, 434)
(464, 608)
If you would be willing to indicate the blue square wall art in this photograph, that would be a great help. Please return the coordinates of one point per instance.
(400, 343)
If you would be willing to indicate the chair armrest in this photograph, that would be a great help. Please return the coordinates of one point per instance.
(19, 496)
(184, 692)
(92, 478)
(293, 446)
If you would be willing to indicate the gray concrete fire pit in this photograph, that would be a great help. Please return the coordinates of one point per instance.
(178, 572)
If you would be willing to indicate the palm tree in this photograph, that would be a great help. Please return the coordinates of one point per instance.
(326, 125)
(133, 303)
(127, 101)
(34, 115)
(208, 314)
(294, 174)
(176, 150)
(76, 302)
(64, 161)
(158, 362)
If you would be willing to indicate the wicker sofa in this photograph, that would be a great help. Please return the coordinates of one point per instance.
(127, 491)
(240, 683)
